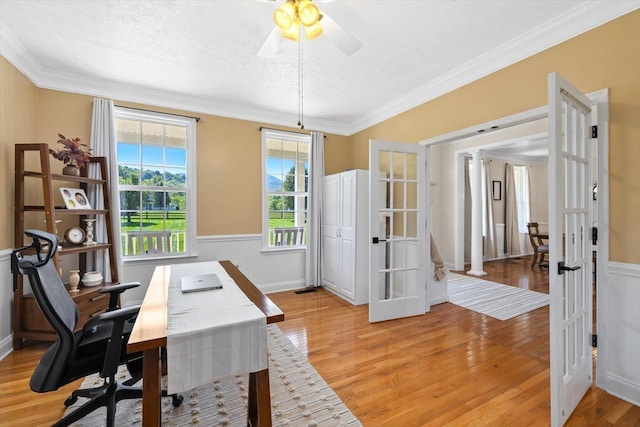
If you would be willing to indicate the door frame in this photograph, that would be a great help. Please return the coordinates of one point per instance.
(600, 103)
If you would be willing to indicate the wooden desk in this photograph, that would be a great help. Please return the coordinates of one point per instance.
(150, 334)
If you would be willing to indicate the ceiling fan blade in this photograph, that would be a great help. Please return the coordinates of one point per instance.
(338, 35)
(272, 44)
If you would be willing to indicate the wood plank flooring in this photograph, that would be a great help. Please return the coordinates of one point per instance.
(449, 367)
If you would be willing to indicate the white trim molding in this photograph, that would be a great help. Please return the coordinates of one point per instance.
(6, 304)
(584, 17)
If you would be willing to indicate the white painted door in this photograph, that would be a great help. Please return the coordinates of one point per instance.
(347, 233)
(399, 255)
(330, 230)
(570, 266)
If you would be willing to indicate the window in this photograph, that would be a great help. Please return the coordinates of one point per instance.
(521, 178)
(285, 186)
(156, 183)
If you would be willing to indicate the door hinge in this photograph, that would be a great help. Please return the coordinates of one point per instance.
(594, 131)
(594, 340)
(594, 235)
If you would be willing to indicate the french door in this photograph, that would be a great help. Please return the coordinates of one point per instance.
(398, 255)
(570, 266)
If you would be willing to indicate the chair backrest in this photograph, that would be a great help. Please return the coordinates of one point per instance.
(532, 227)
(58, 308)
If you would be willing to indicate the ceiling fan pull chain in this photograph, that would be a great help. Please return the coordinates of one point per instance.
(300, 87)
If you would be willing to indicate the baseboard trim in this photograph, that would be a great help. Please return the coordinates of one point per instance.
(6, 346)
(269, 288)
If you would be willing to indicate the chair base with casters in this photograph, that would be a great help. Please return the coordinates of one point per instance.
(108, 394)
(98, 348)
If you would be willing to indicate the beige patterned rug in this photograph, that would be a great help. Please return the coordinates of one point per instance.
(299, 397)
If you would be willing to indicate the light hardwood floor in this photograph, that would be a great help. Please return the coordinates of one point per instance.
(449, 367)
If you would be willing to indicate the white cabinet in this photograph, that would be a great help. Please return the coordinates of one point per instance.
(345, 219)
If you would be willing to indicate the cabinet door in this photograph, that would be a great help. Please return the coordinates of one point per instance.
(330, 225)
(347, 234)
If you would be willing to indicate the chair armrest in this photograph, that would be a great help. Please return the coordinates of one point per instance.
(117, 341)
(115, 291)
(121, 314)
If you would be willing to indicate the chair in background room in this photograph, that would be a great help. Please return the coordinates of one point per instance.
(540, 248)
(99, 347)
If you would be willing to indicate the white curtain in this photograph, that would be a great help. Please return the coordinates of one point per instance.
(313, 254)
(490, 242)
(512, 231)
(103, 144)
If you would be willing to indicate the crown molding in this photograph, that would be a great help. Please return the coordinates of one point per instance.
(580, 19)
(576, 21)
(15, 53)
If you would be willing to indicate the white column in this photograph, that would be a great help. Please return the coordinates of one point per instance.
(476, 216)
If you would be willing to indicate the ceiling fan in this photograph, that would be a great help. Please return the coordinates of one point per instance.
(296, 16)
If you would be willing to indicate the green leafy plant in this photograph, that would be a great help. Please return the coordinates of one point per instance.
(74, 151)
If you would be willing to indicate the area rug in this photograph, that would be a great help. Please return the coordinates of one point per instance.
(299, 397)
(499, 301)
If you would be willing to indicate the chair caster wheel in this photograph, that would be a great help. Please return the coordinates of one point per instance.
(177, 400)
(70, 401)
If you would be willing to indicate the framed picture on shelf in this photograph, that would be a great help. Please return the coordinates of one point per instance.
(75, 198)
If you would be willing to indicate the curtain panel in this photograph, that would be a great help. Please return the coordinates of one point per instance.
(103, 144)
(313, 253)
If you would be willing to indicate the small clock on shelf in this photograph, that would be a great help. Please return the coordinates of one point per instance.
(74, 235)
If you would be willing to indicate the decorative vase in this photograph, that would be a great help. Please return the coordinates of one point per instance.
(89, 232)
(74, 280)
(72, 170)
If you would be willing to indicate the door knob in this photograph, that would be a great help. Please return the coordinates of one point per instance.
(562, 268)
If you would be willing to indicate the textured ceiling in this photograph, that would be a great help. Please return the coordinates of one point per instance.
(201, 55)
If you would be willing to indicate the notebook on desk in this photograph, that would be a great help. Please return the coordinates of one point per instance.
(202, 282)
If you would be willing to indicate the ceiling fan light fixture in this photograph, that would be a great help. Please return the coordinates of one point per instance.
(285, 15)
(292, 33)
(308, 13)
(313, 31)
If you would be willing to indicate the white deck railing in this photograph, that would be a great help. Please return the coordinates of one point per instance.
(152, 242)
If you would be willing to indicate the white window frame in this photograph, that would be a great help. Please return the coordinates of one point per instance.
(277, 134)
(190, 188)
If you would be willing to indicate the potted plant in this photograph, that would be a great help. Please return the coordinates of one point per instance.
(74, 154)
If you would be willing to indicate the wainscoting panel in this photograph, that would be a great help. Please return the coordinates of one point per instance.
(619, 336)
(270, 271)
(6, 298)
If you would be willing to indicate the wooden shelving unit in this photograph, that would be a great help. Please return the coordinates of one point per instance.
(28, 322)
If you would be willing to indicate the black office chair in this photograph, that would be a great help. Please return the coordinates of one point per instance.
(100, 347)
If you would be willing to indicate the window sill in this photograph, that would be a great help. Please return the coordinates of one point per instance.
(156, 259)
(285, 249)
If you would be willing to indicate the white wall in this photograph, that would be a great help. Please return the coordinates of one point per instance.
(444, 193)
(270, 271)
(6, 298)
(619, 332)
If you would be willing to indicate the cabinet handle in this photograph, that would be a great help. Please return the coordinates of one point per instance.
(98, 298)
(97, 313)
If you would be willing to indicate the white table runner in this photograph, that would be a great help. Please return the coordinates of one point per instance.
(211, 334)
